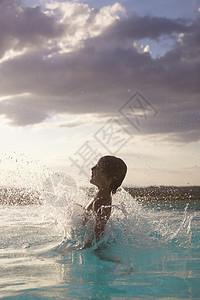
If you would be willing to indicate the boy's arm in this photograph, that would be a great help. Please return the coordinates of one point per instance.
(99, 228)
(98, 231)
(90, 204)
(102, 215)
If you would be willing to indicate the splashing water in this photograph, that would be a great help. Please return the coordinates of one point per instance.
(63, 200)
(43, 239)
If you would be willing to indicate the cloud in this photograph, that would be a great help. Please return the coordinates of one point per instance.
(72, 124)
(21, 113)
(136, 27)
(22, 27)
(183, 137)
(79, 60)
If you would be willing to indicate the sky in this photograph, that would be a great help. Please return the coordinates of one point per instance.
(83, 79)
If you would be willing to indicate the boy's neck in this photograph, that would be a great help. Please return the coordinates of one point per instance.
(104, 193)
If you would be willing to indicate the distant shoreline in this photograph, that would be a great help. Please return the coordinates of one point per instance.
(152, 195)
(167, 197)
(19, 196)
(165, 192)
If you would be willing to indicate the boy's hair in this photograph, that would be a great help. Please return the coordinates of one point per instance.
(115, 168)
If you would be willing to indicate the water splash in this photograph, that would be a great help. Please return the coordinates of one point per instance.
(63, 203)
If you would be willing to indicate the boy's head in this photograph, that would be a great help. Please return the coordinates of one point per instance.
(111, 170)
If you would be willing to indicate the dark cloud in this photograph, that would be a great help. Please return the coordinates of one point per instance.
(190, 42)
(97, 76)
(25, 26)
(138, 28)
(21, 113)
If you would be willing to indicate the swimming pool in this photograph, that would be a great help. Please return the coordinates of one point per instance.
(145, 254)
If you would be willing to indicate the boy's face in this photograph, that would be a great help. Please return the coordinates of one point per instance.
(99, 177)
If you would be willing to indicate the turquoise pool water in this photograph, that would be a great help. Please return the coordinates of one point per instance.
(145, 254)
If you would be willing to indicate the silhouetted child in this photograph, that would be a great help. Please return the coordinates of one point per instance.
(107, 176)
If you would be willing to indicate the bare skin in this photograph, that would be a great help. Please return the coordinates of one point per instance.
(107, 176)
(101, 204)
